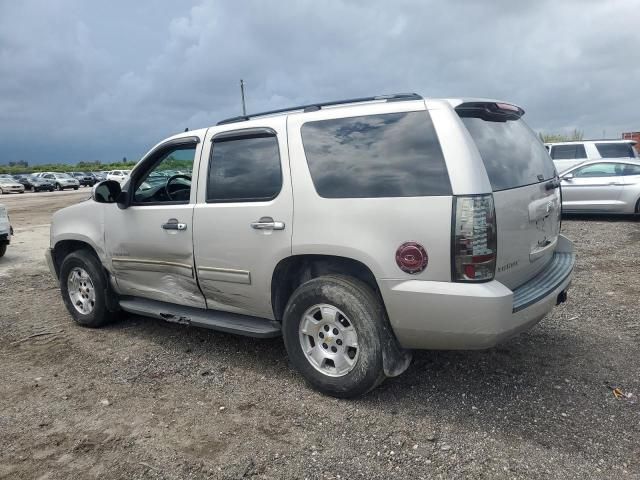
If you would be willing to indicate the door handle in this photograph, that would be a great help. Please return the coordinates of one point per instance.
(173, 224)
(267, 223)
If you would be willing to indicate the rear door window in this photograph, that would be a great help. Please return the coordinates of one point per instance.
(631, 170)
(512, 153)
(387, 155)
(568, 152)
(245, 168)
(615, 150)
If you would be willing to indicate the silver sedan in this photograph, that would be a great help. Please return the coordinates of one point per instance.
(602, 186)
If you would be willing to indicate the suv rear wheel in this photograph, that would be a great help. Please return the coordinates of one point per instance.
(84, 289)
(333, 331)
(3, 250)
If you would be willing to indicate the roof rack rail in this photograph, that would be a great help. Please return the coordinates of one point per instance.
(396, 97)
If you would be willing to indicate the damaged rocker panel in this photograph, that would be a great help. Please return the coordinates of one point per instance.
(214, 319)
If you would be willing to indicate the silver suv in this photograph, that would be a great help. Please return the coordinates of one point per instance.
(358, 230)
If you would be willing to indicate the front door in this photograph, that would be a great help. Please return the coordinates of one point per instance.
(150, 243)
(593, 187)
(243, 218)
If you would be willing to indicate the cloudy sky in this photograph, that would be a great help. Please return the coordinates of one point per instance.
(102, 80)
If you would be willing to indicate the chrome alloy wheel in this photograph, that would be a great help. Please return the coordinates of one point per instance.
(329, 341)
(81, 291)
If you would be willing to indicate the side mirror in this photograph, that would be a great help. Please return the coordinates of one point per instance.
(568, 176)
(106, 192)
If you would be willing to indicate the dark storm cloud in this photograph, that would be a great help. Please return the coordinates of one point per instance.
(82, 80)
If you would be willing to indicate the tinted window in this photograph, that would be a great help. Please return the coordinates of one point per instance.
(391, 155)
(568, 152)
(244, 169)
(615, 150)
(600, 170)
(631, 170)
(512, 154)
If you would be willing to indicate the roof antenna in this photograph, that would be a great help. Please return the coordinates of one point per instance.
(244, 107)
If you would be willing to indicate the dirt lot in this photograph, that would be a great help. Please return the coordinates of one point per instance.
(147, 399)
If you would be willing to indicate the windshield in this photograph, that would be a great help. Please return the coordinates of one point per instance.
(6, 180)
(61, 175)
(512, 153)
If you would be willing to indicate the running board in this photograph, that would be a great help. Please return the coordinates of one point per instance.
(198, 317)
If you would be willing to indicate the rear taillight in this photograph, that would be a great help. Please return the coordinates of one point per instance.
(474, 245)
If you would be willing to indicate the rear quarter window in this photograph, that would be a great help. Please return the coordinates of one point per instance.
(615, 150)
(387, 155)
(513, 155)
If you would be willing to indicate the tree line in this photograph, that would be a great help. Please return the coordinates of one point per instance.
(13, 168)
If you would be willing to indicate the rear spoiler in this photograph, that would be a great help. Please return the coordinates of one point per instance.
(493, 111)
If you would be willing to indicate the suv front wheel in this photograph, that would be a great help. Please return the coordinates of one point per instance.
(333, 331)
(84, 288)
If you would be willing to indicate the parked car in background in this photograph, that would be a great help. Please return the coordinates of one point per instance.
(85, 179)
(5, 230)
(399, 238)
(62, 181)
(602, 186)
(119, 176)
(568, 154)
(9, 185)
(35, 184)
(98, 176)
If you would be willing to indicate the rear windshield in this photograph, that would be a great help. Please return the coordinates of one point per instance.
(512, 153)
(615, 150)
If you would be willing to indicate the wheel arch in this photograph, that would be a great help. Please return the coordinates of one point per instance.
(293, 271)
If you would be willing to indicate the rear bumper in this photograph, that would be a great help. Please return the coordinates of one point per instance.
(450, 315)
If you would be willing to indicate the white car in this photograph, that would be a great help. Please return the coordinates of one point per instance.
(9, 185)
(568, 154)
(119, 176)
(5, 230)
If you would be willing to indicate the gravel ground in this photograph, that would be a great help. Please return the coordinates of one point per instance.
(147, 399)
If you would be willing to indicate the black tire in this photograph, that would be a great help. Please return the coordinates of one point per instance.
(3, 249)
(58, 187)
(33, 189)
(100, 315)
(75, 188)
(363, 308)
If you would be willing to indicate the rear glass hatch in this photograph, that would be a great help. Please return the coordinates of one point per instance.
(526, 190)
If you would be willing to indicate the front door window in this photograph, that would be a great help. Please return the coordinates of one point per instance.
(169, 181)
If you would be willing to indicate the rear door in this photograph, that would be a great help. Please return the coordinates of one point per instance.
(593, 188)
(525, 190)
(244, 216)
